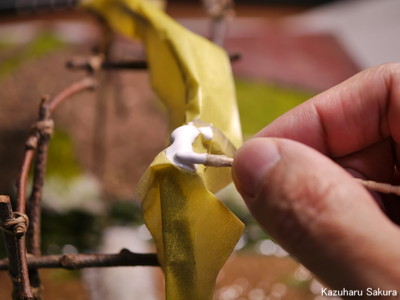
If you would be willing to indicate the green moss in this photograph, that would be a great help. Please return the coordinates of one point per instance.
(42, 45)
(260, 103)
(62, 161)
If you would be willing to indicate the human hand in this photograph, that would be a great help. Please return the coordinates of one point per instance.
(293, 178)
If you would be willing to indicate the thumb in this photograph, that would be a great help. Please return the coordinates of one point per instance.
(318, 213)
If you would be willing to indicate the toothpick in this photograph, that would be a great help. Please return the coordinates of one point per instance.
(213, 160)
(380, 187)
(217, 161)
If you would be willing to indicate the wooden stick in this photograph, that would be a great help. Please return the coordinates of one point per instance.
(14, 240)
(386, 188)
(218, 161)
(380, 187)
(81, 85)
(37, 140)
(80, 261)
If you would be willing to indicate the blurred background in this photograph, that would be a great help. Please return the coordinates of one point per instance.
(104, 140)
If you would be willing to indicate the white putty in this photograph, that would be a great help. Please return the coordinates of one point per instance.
(181, 152)
(206, 132)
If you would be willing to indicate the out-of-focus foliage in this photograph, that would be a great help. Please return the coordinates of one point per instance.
(42, 45)
(62, 161)
(261, 103)
(77, 228)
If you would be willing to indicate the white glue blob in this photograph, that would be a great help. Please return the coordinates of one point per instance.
(181, 152)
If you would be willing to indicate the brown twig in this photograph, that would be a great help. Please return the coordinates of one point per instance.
(13, 233)
(80, 261)
(219, 11)
(44, 129)
(38, 139)
(95, 63)
(23, 287)
(218, 32)
(101, 116)
(79, 86)
(9, 241)
(23, 269)
(30, 147)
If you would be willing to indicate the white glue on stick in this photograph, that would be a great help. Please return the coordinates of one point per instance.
(181, 152)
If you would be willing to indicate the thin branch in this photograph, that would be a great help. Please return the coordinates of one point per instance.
(34, 203)
(38, 139)
(44, 127)
(234, 56)
(220, 11)
(23, 265)
(20, 242)
(79, 86)
(80, 261)
(136, 64)
(95, 63)
(15, 245)
(107, 34)
(30, 147)
(218, 32)
(10, 241)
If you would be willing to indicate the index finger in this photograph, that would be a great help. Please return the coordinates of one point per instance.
(353, 115)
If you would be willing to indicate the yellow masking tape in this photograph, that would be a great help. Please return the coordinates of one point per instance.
(193, 231)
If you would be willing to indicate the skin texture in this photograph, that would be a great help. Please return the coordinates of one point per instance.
(296, 178)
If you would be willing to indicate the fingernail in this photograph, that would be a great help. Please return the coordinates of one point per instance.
(252, 163)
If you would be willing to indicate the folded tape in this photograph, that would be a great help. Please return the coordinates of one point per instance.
(193, 231)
